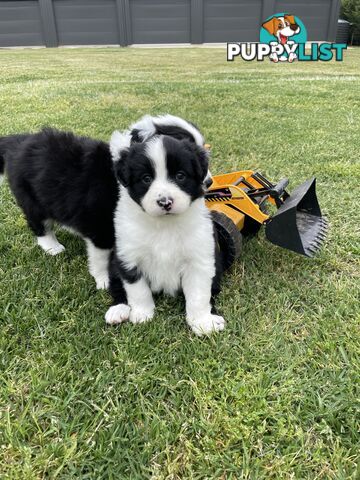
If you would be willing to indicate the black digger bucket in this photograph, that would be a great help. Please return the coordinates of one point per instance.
(298, 224)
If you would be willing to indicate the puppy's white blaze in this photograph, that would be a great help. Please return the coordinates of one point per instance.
(157, 154)
(162, 186)
(180, 122)
(119, 141)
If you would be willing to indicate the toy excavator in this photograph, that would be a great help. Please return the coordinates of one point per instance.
(239, 200)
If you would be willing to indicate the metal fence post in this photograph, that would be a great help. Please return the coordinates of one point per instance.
(121, 22)
(197, 21)
(128, 22)
(48, 23)
(333, 20)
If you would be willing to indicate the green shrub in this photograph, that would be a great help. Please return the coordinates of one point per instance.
(350, 11)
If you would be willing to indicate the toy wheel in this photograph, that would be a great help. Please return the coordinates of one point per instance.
(229, 238)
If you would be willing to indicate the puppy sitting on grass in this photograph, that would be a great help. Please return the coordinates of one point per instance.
(165, 237)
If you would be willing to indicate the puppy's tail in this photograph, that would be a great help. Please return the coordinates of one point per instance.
(2, 159)
(8, 144)
(2, 169)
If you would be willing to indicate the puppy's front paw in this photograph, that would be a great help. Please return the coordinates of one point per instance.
(51, 248)
(102, 282)
(141, 314)
(117, 314)
(55, 250)
(207, 324)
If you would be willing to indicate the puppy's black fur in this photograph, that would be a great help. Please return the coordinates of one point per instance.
(62, 177)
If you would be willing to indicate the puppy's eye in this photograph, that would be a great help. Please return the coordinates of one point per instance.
(147, 179)
(180, 176)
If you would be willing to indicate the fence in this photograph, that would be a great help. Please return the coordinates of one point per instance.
(124, 22)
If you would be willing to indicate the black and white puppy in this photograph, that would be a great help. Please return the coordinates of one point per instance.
(165, 237)
(60, 177)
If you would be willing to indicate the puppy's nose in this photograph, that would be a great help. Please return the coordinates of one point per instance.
(165, 203)
(294, 27)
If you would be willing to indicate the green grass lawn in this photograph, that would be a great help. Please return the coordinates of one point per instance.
(274, 396)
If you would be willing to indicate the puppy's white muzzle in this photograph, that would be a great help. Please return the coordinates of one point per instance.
(164, 198)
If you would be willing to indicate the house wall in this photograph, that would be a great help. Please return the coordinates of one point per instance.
(53, 23)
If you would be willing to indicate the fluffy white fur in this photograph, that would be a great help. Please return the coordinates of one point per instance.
(141, 301)
(98, 260)
(50, 244)
(118, 142)
(172, 252)
(117, 314)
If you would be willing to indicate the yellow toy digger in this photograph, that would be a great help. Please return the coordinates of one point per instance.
(238, 202)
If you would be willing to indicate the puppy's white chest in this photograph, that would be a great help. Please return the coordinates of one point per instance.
(162, 249)
(162, 260)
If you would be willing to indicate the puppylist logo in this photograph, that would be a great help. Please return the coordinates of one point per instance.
(282, 39)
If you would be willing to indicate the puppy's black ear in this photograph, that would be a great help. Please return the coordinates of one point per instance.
(135, 136)
(202, 159)
(121, 167)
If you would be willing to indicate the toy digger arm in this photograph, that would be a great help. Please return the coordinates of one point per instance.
(242, 196)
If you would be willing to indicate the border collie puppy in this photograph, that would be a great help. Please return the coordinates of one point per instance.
(165, 237)
(59, 177)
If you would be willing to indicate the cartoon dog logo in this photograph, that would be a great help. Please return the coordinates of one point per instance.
(282, 28)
